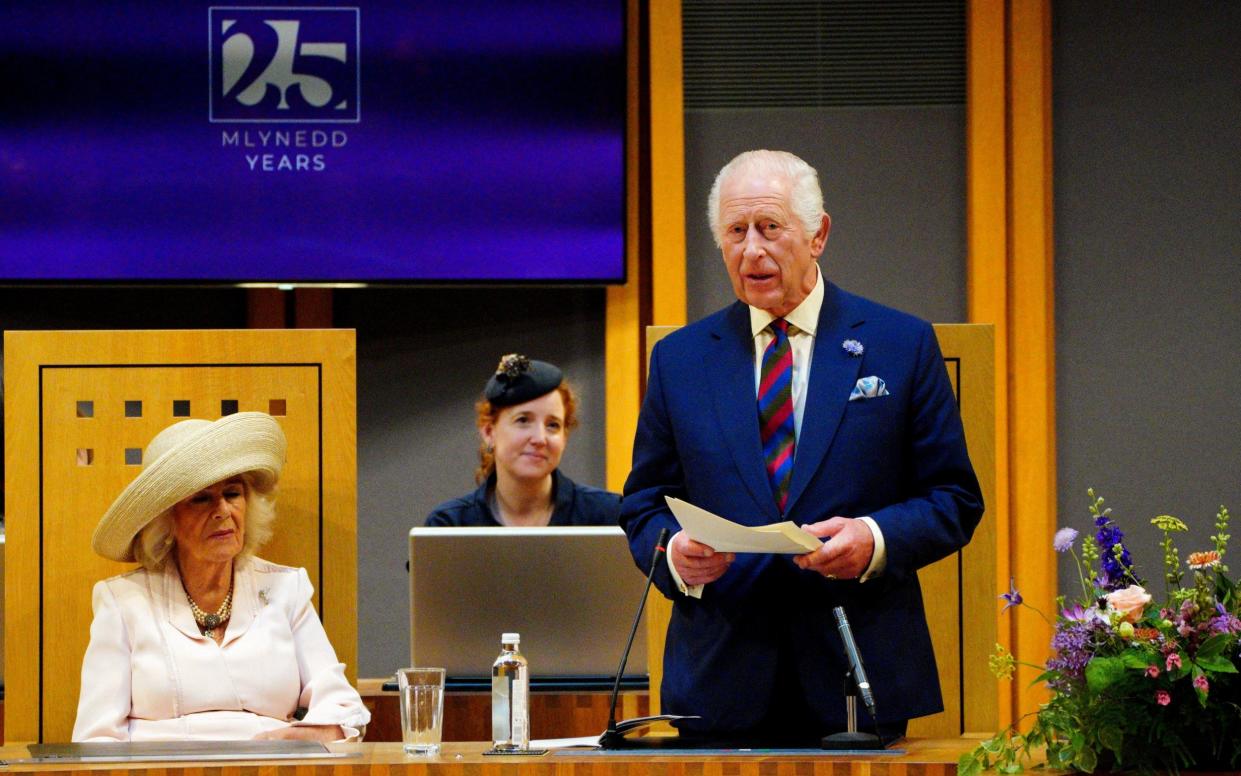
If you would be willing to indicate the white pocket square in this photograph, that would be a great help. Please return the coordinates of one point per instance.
(868, 388)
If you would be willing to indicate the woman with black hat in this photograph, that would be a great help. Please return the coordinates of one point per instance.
(204, 640)
(524, 419)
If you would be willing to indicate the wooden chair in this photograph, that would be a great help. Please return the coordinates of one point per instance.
(80, 407)
(959, 591)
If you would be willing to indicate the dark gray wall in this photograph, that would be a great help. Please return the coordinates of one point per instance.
(1146, 113)
(893, 182)
(423, 358)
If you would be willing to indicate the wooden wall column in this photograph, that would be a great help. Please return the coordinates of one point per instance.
(300, 308)
(623, 316)
(1010, 278)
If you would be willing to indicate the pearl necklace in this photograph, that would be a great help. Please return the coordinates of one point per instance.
(209, 622)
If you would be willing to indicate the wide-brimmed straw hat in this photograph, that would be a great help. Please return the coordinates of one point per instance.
(182, 460)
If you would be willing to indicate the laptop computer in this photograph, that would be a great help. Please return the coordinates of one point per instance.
(571, 592)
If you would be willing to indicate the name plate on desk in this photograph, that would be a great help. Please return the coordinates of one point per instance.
(178, 751)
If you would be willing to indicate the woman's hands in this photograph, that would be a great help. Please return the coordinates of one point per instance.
(324, 734)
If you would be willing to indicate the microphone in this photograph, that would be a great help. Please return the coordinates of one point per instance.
(853, 738)
(855, 661)
(614, 736)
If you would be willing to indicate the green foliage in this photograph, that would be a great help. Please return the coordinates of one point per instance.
(1151, 690)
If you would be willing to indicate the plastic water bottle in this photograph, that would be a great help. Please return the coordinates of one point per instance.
(510, 696)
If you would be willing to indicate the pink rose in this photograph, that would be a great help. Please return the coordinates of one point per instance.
(1162, 697)
(1152, 672)
(1200, 683)
(1173, 662)
(1129, 603)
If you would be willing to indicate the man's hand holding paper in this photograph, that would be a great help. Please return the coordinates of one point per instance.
(847, 555)
(704, 548)
(723, 535)
(697, 563)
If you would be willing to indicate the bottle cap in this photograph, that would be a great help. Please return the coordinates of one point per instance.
(510, 638)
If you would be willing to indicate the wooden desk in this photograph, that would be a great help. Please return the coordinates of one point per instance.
(467, 715)
(924, 758)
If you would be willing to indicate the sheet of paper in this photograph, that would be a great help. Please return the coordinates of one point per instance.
(726, 536)
(564, 743)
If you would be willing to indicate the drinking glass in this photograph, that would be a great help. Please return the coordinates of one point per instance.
(422, 709)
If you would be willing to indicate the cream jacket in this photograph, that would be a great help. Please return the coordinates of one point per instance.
(149, 674)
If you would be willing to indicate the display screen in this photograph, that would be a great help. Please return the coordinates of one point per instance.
(399, 141)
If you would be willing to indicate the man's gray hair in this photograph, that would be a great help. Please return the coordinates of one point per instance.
(805, 199)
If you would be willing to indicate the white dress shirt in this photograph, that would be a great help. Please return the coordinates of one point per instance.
(803, 326)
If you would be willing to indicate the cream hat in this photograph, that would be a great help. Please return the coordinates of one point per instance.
(183, 459)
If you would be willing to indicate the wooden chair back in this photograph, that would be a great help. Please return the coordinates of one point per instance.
(81, 406)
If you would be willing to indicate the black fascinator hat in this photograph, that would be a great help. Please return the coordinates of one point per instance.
(519, 379)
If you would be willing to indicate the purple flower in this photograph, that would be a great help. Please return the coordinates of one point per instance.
(853, 347)
(1115, 572)
(1200, 683)
(1076, 613)
(1071, 642)
(1013, 596)
(1225, 622)
(1063, 541)
(1173, 662)
(1079, 613)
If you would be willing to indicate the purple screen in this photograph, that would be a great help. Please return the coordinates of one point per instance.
(401, 141)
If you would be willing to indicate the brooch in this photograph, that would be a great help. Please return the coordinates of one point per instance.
(853, 348)
(512, 365)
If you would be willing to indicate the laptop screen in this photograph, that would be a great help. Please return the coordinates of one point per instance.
(571, 592)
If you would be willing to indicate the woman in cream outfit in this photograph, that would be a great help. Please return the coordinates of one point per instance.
(204, 640)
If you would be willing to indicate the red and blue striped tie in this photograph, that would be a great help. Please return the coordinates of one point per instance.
(775, 411)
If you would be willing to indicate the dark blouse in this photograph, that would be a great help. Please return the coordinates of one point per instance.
(574, 505)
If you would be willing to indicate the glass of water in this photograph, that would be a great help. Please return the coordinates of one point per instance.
(422, 709)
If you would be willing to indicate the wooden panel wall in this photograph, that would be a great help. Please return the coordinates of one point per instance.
(1010, 277)
(66, 463)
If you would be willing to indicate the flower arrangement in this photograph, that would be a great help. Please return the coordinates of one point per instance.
(1135, 683)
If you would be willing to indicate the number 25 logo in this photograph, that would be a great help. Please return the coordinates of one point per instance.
(284, 66)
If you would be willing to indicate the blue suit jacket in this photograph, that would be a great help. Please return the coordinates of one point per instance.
(900, 459)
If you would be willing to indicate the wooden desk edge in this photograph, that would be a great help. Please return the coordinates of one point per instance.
(933, 756)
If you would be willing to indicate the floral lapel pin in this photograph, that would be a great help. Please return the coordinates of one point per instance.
(853, 348)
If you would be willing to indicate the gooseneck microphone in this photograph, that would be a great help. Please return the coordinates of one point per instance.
(613, 737)
(856, 683)
(855, 661)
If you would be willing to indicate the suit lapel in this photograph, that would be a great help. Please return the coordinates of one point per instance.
(833, 373)
(176, 604)
(245, 601)
(729, 368)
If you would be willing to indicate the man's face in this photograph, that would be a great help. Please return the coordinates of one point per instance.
(770, 260)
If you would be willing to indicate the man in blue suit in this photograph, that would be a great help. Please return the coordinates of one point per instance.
(799, 402)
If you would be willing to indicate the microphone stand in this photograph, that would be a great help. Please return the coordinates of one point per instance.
(614, 736)
(852, 738)
(856, 683)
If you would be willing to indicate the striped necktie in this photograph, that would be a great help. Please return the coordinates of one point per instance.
(775, 411)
